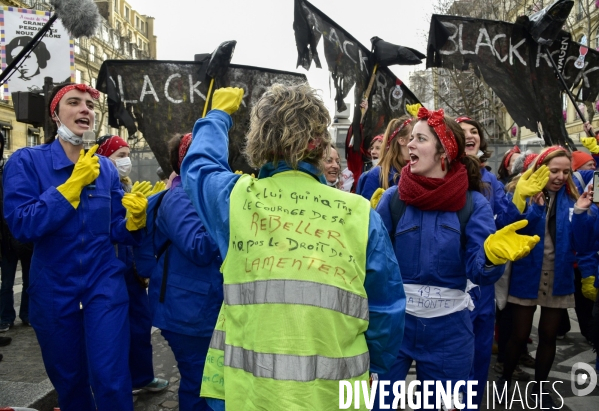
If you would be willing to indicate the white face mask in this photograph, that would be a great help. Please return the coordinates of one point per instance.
(375, 162)
(67, 135)
(123, 165)
(480, 154)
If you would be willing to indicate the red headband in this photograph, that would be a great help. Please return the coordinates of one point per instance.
(95, 94)
(377, 138)
(528, 160)
(462, 118)
(545, 153)
(506, 160)
(110, 145)
(396, 132)
(183, 147)
(436, 120)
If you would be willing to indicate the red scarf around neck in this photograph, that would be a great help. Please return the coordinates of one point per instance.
(435, 194)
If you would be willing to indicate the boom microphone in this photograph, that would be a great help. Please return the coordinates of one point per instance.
(80, 17)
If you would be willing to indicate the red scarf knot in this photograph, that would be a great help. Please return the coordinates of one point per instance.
(183, 147)
(436, 120)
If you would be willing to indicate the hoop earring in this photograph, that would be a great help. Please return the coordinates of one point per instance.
(443, 163)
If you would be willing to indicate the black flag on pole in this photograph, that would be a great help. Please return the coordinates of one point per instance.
(163, 99)
(516, 68)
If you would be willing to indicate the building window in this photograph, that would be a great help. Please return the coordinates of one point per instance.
(33, 136)
(116, 6)
(6, 129)
(92, 53)
(127, 13)
(137, 22)
(93, 82)
(104, 57)
(77, 48)
(78, 76)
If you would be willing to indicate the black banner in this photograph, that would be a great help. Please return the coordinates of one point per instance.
(350, 63)
(163, 99)
(516, 68)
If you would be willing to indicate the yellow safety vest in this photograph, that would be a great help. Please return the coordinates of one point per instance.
(295, 308)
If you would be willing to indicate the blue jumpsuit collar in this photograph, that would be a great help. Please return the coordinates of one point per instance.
(59, 157)
(269, 170)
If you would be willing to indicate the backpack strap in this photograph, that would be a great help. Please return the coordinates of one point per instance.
(580, 179)
(398, 208)
(162, 249)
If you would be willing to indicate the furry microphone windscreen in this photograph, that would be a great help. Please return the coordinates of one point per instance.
(80, 17)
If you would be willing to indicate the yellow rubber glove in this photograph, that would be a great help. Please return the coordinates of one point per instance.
(590, 143)
(227, 99)
(506, 244)
(145, 187)
(530, 184)
(136, 205)
(376, 197)
(86, 170)
(158, 187)
(588, 288)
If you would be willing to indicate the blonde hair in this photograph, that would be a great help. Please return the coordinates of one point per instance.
(391, 156)
(288, 123)
(570, 186)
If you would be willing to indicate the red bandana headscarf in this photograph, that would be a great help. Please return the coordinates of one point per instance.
(397, 130)
(436, 120)
(508, 156)
(95, 94)
(183, 147)
(110, 145)
(528, 161)
(545, 153)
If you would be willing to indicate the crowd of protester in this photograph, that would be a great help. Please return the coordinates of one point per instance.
(272, 289)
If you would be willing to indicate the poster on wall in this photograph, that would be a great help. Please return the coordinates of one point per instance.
(52, 57)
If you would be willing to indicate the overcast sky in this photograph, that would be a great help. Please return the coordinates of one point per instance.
(264, 30)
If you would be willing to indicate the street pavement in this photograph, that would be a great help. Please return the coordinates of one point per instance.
(24, 383)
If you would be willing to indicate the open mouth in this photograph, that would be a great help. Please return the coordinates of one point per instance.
(82, 122)
(470, 145)
(413, 159)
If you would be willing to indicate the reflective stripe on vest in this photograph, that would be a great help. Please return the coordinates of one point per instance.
(297, 292)
(295, 367)
(218, 340)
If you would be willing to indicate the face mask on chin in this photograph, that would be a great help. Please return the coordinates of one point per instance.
(67, 135)
(123, 165)
(375, 162)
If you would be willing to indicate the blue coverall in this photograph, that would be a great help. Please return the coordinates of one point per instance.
(209, 182)
(78, 298)
(194, 290)
(429, 252)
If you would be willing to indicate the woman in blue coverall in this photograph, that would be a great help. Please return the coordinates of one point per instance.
(546, 276)
(437, 253)
(483, 296)
(70, 205)
(140, 320)
(392, 159)
(189, 273)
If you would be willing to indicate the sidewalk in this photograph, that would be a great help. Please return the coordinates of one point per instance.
(24, 383)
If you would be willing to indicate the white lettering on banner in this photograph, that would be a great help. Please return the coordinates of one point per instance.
(193, 89)
(168, 82)
(334, 38)
(484, 40)
(345, 43)
(122, 92)
(562, 53)
(363, 61)
(148, 83)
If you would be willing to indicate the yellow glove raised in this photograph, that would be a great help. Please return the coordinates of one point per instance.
(86, 170)
(145, 187)
(588, 288)
(530, 184)
(227, 99)
(136, 205)
(158, 187)
(376, 197)
(506, 244)
(590, 143)
(412, 109)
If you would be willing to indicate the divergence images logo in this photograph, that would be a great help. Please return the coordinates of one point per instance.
(583, 379)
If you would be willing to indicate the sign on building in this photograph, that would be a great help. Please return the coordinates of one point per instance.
(52, 57)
